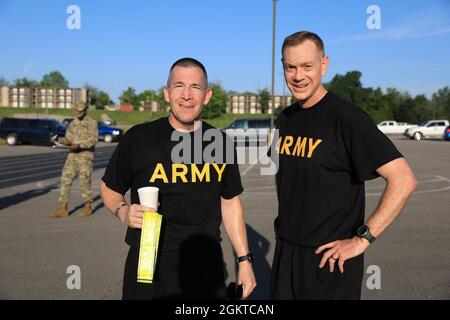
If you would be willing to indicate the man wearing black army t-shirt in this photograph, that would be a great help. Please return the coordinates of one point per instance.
(195, 196)
(327, 148)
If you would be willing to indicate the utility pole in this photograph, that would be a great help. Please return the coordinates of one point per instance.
(273, 62)
(284, 83)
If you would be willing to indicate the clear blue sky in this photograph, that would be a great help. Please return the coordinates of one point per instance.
(133, 43)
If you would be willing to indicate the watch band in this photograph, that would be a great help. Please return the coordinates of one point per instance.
(369, 237)
(116, 212)
(364, 232)
(248, 257)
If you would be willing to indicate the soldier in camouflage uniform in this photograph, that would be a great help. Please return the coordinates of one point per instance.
(81, 137)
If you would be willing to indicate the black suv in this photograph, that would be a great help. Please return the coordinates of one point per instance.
(37, 131)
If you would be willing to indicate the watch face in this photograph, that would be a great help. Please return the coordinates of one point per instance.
(251, 258)
(362, 231)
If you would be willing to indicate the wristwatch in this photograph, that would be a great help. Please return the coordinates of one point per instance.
(248, 257)
(364, 232)
(116, 212)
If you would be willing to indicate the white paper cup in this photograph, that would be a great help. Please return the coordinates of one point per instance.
(148, 196)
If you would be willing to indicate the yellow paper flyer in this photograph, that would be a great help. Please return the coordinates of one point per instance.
(151, 227)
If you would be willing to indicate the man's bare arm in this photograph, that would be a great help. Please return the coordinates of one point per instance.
(400, 184)
(234, 224)
(131, 215)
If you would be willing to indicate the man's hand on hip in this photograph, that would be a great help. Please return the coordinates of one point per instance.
(341, 251)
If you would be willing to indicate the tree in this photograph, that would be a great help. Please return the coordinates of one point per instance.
(129, 96)
(98, 98)
(25, 82)
(93, 94)
(400, 106)
(405, 112)
(395, 99)
(441, 103)
(415, 110)
(263, 98)
(278, 111)
(218, 103)
(54, 79)
(159, 98)
(372, 101)
(147, 95)
(103, 100)
(3, 82)
(376, 106)
(348, 87)
(422, 109)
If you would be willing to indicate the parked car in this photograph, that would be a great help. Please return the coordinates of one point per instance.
(36, 131)
(109, 122)
(447, 134)
(108, 133)
(249, 130)
(394, 127)
(105, 132)
(427, 129)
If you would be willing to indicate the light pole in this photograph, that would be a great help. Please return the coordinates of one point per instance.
(284, 83)
(273, 62)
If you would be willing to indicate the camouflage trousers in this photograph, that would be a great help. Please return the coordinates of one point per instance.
(80, 164)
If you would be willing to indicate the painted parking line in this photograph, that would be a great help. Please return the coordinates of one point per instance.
(47, 172)
(25, 162)
(44, 157)
(255, 190)
(43, 165)
(248, 169)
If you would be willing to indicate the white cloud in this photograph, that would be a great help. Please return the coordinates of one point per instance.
(398, 33)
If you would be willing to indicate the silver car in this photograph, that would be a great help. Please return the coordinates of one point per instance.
(249, 131)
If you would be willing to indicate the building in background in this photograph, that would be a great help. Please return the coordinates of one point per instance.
(61, 98)
(125, 107)
(153, 106)
(15, 97)
(66, 98)
(237, 104)
(249, 104)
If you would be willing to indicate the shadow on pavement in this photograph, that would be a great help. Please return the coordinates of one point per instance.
(96, 208)
(8, 201)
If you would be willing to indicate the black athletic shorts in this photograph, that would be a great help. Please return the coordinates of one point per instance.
(177, 276)
(296, 275)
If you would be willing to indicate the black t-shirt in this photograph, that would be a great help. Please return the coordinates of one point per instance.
(326, 152)
(189, 193)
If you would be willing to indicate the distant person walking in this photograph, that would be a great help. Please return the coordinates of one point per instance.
(81, 137)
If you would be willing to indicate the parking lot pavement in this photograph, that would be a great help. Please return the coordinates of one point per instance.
(42, 165)
(411, 258)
